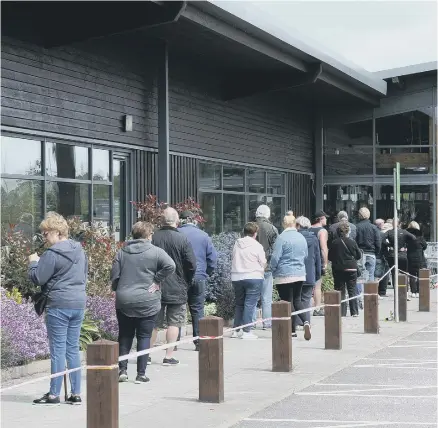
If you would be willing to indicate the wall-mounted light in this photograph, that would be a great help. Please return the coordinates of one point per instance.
(128, 123)
(337, 152)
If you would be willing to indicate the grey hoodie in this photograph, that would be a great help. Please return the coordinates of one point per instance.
(62, 269)
(136, 267)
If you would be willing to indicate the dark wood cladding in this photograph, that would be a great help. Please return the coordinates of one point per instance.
(300, 194)
(183, 178)
(146, 174)
(81, 91)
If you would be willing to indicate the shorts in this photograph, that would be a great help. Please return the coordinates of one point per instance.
(172, 315)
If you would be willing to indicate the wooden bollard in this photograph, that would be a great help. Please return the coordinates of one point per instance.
(281, 337)
(332, 319)
(103, 385)
(211, 360)
(402, 297)
(371, 307)
(424, 284)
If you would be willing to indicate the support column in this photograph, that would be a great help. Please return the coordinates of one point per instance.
(319, 162)
(163, 125)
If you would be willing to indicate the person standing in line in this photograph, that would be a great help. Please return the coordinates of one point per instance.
(247, 273)
(138, 270)
(344, 254)
(416, 258)
(267, 234)
(61, 272)
(313, 271)
(318, 228)
(342, 217)
(369, 240)
(206, 259)
(175, 286)
(381, 263)
(288, 266)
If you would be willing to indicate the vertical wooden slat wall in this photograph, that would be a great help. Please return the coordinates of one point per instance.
(183, 178)
(300, 194)
(145, 175)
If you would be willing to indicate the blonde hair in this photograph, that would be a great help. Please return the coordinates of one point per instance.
(414, 225)
(364, 213)
(55, 222)
(142, 230)
(289, 221)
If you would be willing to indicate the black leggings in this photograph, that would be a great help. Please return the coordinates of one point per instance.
(413, 282)
(291, 292)
(346, 279)
(402, 265)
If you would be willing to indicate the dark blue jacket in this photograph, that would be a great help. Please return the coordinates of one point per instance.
(313, 260)
(205, 253)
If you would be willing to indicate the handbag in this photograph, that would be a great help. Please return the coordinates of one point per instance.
(360, 266)
(40, 299)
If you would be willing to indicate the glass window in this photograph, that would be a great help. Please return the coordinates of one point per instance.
(101, 203)
(276, 205)
(275, 183)
(211, 205)
(21, 207)
(68, 199)
(233, 179)
(234, 213)
(254, 201)
(20, 156)
(256, 181)
(101, 165)
(210, 176)
(66, 161)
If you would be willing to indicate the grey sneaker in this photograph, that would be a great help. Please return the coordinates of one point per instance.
(141, 379)
(123, 376)
(307, 331)
(170, 362)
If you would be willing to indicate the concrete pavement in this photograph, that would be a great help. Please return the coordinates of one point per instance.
(253, 394)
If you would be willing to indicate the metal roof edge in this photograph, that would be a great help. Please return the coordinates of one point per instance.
(423, 67)
(254, 23)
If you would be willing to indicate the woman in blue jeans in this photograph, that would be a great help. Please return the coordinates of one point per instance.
(247, 273)
(61, 272)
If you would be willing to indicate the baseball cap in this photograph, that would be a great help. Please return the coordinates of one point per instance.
(320, 214)
(186, 214)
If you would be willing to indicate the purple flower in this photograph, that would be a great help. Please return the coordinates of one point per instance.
(102, 310)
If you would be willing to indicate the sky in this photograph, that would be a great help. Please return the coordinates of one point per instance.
(375, 35)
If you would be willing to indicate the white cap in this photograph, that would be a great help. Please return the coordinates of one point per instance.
(263, 211)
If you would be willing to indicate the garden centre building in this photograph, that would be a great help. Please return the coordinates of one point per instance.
(105, 103)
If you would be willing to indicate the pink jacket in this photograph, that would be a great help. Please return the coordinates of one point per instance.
(249, 260)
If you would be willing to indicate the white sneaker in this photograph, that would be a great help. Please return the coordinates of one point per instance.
(249, 336)
(417, 295)
(236, 335)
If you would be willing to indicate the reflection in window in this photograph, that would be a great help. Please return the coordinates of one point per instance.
(20, 156)
(101, 165)
(276, 183)
(66, 161)
(277, 209)
(234, 213)
(210, 176)
(211, 205)
(68, 199)
(101, 203)
(21, 207)
(233, 179)
(256, 181)
(254, 201)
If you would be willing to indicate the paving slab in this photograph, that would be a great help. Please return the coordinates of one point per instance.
(252, 389)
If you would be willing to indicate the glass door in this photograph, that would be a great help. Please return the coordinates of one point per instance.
(121, 189)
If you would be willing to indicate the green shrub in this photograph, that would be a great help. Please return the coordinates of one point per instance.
(225, 301)
(89, 332)
(327, 280)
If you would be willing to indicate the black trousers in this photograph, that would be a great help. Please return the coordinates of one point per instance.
(291, 292)
(413, 282)
(345, 280)
(402, 264)
(142, 329)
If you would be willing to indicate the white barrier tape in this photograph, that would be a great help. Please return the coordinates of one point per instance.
(408, 274)
(387, 273)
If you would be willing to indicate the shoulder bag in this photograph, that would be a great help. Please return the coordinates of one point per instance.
(360, 266)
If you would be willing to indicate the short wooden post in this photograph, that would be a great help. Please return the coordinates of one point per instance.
(211, 360)
(103, 385)
(371, 307)
(332, 319)
(424, 284)
(281, 337)
(402, 297)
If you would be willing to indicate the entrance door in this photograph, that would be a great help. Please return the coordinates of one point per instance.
(122, 209)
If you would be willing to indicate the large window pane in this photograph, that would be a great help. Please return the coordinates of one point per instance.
(20, 156)
(275, 183)
(68, 199)
(256, 181)
(66, 161)
(348, 149)
(21, 206)
(234, 213)
(211, 205)
(349, 199)
(101, 165)
(210, 176)
(254, 201)
(101, 203)
(233, 179)
(277, 210)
